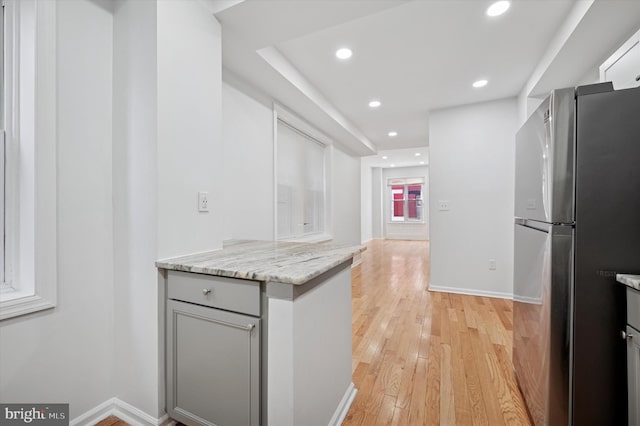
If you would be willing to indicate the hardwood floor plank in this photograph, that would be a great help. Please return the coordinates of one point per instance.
(424, 357)
(448, 401)
(385, 416)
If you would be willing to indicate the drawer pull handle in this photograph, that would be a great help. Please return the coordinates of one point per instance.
(206, 291)
(250, 327)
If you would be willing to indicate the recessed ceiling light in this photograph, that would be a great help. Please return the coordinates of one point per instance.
(418, 154)
(393, 134)
(375, 104)
(498, 8)
(344, 53)
(393, 165)
(480, 83)
(422, 162)
(384, 157)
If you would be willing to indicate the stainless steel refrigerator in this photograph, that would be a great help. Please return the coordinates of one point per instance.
(577, 224)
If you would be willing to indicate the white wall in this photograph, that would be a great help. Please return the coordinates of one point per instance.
(406, 230)
(472, 152)
(345, 198)
(366, 200)
(377, 203)
(312, 330)
(189, 127)
(248, 152)
(247, 134)
(138, 136)
(66, 354)
(135, 204)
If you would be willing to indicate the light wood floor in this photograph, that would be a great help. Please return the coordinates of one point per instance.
(112, 421)
(423, 357)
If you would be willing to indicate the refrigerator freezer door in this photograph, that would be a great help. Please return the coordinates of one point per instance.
(545, 152)
(607, 242)
(541, 319)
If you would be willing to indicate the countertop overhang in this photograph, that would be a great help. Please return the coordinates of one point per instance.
(269, 261)
(629, 280)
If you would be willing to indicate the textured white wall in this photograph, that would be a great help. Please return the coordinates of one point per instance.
(66, 354)
(247, 130)
(472, 152)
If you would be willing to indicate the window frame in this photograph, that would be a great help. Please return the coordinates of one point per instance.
(282, 116)
(31, 156)
(3, 282)
(406, 183)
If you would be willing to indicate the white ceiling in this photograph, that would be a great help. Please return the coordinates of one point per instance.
(415, 56)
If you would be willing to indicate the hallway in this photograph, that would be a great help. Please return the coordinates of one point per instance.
(423, 357)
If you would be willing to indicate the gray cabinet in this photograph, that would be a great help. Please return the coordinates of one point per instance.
(213, 355)
(633, 372)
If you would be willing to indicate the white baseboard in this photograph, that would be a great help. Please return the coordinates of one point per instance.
(470, 291)
(406, 237)
(531, 300)
(122, 410)
(343, 407)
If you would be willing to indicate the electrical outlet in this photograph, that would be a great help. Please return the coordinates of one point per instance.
(203, 201)
(492, 264)
(443, 205)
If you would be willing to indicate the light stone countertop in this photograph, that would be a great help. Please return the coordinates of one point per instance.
(632, 281)
(284, 262)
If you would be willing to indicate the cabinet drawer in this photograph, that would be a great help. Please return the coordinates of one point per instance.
(218, 292)
(633, 308)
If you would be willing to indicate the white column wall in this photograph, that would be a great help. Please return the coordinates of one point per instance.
(135, 205)
(345, 194)
(472, 151)
(377, 218)
(189, 127)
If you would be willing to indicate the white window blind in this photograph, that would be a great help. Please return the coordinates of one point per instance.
(301, 183)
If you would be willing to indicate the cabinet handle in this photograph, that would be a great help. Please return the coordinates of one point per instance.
(206, 291)
(626, 335)
(638, 77)
(250, 327)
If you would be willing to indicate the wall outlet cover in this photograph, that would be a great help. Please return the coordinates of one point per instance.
(203, 201)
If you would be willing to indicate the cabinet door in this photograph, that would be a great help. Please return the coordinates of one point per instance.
(623, 67)
(633, 378)
(213, 366)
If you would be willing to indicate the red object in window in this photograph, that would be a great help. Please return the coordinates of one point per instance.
(398, 200)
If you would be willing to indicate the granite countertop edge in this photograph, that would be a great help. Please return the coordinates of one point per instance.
(629, 280)
(289, 263)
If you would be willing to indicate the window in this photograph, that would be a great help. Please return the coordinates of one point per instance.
(28, 173)
(406, 199)
(301, 195)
